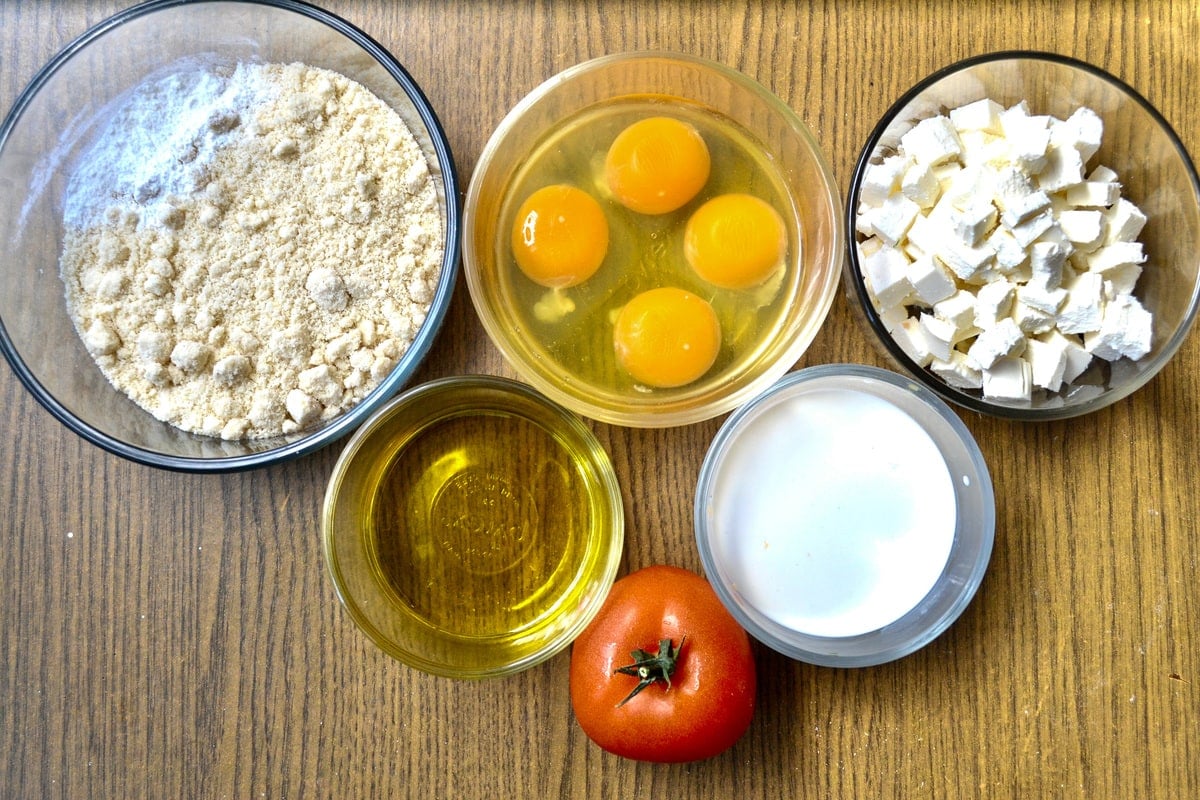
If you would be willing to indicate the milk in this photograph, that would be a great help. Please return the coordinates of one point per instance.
(833, 512)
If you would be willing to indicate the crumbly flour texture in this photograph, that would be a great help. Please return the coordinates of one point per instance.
(250, 253)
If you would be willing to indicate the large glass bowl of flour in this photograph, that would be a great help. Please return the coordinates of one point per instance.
(230, 232)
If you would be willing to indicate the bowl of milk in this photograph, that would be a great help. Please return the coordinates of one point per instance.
(845, 516)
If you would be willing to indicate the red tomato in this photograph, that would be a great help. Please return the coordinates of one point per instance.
(656, 616)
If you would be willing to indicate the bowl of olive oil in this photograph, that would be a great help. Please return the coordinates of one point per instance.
(472, 528)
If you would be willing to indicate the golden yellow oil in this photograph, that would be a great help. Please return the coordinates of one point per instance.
(574, 326)
(481, 526)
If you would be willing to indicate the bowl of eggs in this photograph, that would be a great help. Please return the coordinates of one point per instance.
(1025, 230)
(651, 239)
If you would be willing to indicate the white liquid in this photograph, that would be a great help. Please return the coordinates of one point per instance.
(834, 512)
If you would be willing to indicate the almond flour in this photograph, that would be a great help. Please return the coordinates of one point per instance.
(249, 253)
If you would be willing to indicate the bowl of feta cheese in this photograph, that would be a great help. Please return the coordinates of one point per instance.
(234, 243)
(1024, 236)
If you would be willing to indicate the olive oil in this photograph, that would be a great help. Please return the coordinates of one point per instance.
(471, 530)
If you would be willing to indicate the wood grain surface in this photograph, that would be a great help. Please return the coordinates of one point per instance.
(167, 635)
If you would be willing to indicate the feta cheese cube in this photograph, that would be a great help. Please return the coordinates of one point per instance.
(930, 280)
(1093, 194)
(1125, 222)
(1008, 379)
(920, 185)
(880, 180)
(1114, 255)
(981, 115)
(1126, 332)
(1029, 319)
(1036, 295)
(886, 274)
(1083, 227)
(958, 371)
(1083, 310)
(993, 302)
(1063, 167)
(1018, 209)
(1031, 229)
(932, 141)
(1047, 362)
(999, 341)
(890, 221)
(911, 339)
(972, 222)
(1102, 174)
(1121, 280)
(962, 259)
(1046, 261)
(1011, 185)
(1009, 253)
(939, 336)
(925, 234)
(1028, 138)
(959, 310)
(1082, 131)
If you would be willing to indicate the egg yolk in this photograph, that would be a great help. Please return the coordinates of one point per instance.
(735, 241)
(667, 337)
(656, 165)
(560, 236)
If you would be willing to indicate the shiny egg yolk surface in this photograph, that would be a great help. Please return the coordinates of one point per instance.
(559, 236)
(735, 241)
(656, 165)
(666, 337)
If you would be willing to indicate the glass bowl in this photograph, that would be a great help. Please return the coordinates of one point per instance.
(1154, 171)
(562, 341)
(845, 516)
(64, 109)
(472, 528)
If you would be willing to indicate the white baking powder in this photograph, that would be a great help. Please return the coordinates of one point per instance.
(247, 254)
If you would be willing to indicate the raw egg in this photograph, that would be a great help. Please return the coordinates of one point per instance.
(657, 164)
(735, 241)
(560, 236)
(667, 337)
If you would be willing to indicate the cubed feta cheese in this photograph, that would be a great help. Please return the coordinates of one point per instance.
(1083, 310)
(1083, 131)
(939, 336)
(1083, 227)
(1093, 194)
(993, 302)
(911, 339)
(962, 259)
(1114, 255)
(890, 221)
(1063, 167)
(999, 341)
(1046, 261)
(1125, 222)
(1047, 362)
(931, 281)
(880, 180)
(958, 371)
(980, 115)
(1126, 332)
(886, 273)
(920, 185)
(932, 141)
(959, 310)
(972, 222)
(1008, 379)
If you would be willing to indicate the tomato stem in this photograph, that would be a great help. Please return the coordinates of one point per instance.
(650, 669)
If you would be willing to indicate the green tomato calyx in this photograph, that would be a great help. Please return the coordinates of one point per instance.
(650, 669)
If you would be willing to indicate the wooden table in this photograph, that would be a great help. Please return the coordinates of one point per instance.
(176, 636)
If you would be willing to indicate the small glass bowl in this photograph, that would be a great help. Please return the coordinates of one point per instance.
(845, 516)
(59, 114)
(472, 528)
(1156, 174)
(592, 384)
